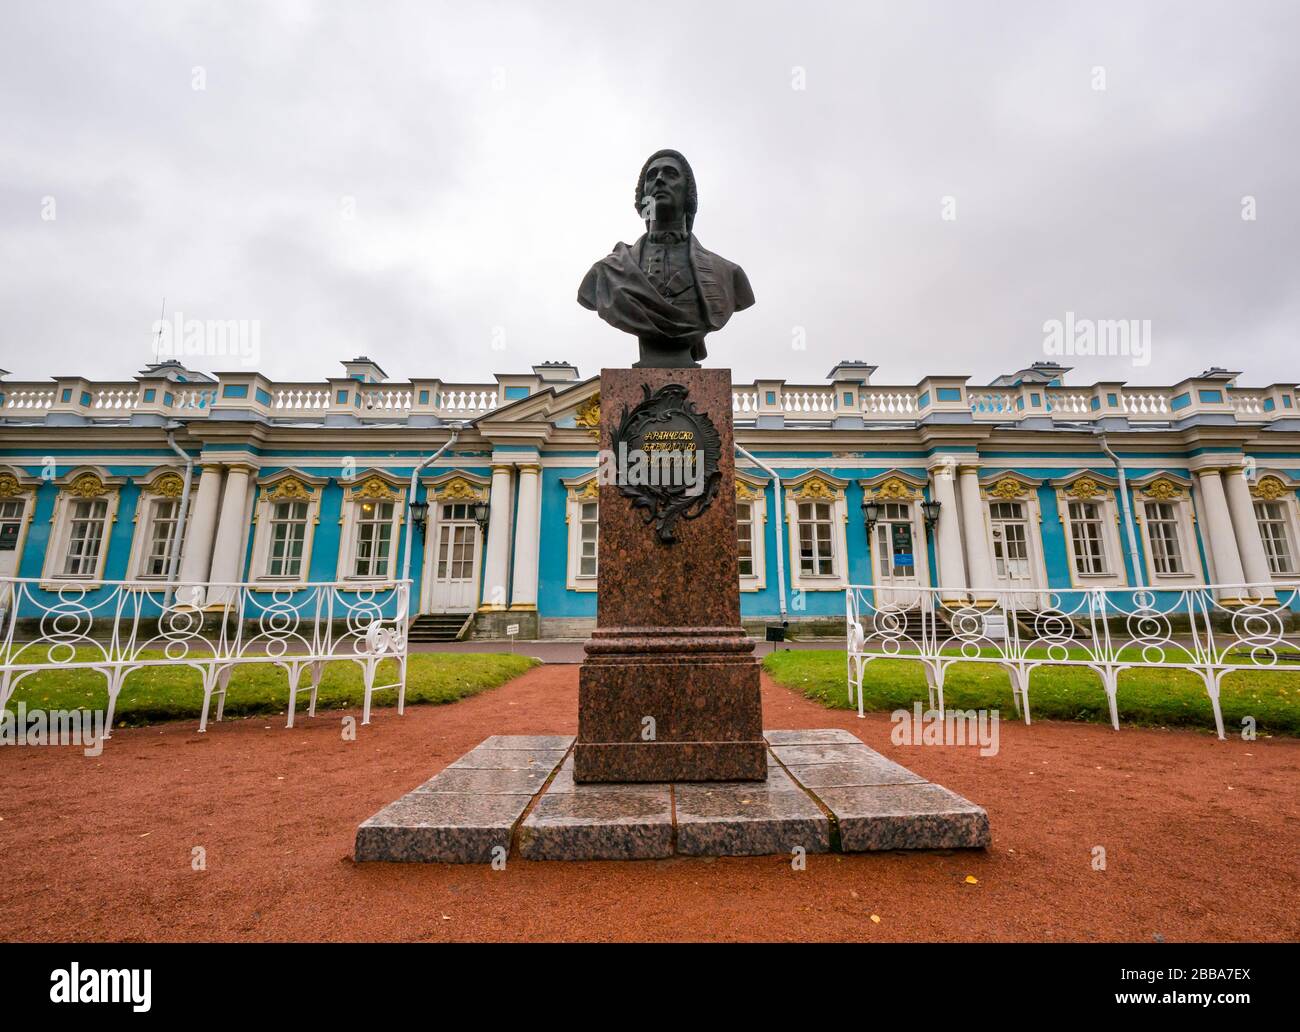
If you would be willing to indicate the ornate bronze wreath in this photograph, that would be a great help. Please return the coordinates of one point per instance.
(664, 504)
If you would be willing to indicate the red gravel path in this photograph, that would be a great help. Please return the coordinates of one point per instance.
(1201, 836)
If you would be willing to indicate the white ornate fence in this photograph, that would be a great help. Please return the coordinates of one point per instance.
(1211, 631)
(118, 627)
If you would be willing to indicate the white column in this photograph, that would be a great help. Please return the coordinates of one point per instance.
(496, 570)
(228, 552)
(1223, 542)
(978, 557)
(952, 568)
(196, 554)
(1254, 560)
(528, 528)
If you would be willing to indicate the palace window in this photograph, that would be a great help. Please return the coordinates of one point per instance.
(745, 538)
(288, 539)
(160, 528)
(374, 538)
(1087, 530)
(1274, 530)
(816, 537)
(1163, 538)
(88, 523)
(1010, 530)
(588, 532)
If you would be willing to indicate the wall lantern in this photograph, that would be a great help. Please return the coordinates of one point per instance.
(420, 514)
(871, 514)
(481, 514)
(930, 510)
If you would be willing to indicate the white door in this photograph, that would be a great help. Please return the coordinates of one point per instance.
(453, 566)
(1013, 560)
(897, 549)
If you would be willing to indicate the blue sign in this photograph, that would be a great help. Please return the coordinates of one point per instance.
(903, 559)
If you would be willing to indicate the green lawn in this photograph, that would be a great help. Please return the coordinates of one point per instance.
(1151, 697)
(175, 692)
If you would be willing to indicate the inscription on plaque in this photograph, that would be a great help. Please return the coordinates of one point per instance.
(665, 459)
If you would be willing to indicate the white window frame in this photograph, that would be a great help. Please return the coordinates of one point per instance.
(1163, 491)
(146, 514)
(281, 489)
(1103, 496)
(754, 494)
(1265, 491)
(15, 487)
(830, 491)
(581, 491)
(369, 488)
(80, 485)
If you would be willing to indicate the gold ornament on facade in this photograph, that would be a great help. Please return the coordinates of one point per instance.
(169, 485)
(587, 415)
(459, 490)
(10, 487)
(1269, 489)
(374, 488)
(1007, 490)
(895, 490)
(1085, 489)
(291, 489)
(88, 485)
(747, 493)
(588, 492)
(1162, 490)
(816, 490)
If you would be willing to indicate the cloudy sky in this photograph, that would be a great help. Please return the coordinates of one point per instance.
(427, 183)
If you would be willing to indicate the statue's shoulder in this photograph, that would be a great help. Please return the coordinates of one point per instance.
(721, 265)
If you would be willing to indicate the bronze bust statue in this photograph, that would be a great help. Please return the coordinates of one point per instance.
(666, 288)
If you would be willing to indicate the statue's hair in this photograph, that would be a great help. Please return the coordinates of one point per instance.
(692, 197)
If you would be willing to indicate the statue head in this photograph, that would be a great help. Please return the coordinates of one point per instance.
(667, 180)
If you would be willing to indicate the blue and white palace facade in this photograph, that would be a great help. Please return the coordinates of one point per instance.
(484, 494)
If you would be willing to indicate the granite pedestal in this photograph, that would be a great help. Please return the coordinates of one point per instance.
(669, 690)
(825, 791)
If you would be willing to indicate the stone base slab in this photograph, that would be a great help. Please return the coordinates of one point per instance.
(824, 791)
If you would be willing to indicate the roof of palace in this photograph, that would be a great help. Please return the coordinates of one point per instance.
(1033, 398)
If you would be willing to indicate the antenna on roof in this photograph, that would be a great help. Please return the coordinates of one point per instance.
(162, 318)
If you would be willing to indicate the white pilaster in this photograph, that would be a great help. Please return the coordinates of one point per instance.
(496, 570)
(952, 568)
(228, 552)
(528, 529)
(1222, 544)
(1254, 560)
(978, 558)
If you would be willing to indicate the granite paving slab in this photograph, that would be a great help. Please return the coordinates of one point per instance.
(875, 770)
(435, 827)
(545, 743)
(749, 819)
(922, 816)
(489, 781)
(812, 736)
(837, 752)
(824, 789)
(595, 822)
(511, 759)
